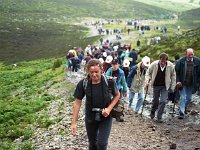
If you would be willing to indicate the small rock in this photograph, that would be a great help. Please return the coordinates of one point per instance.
(193, 112)
(173, 146)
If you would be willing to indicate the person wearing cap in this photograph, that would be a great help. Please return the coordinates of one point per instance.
(107, 63)
(126, 68)
(187, 79)
(134, 55)
(162, 75)
(116, 71)
(135, 82)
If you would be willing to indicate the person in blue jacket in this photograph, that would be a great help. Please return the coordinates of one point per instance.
(118, 73)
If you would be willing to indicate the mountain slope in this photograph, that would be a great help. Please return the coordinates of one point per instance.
(190, 18)
(84, 8)
(175, 44)
(178, 5)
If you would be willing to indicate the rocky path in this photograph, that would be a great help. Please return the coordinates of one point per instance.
(136, 133)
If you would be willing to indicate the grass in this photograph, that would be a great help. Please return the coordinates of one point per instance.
(177, 6)
(23, 94)
(174, 44)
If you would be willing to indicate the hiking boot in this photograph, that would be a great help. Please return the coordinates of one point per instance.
(181, 116)
(159, 120)
(186, 111)
(152, 115)
(119, 119)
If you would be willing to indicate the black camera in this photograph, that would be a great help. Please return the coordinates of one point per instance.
(111, 78)
(98, 112)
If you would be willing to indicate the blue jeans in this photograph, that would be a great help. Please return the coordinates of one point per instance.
(185, 98)
(159, 92)
(98, 133)
(139, 102)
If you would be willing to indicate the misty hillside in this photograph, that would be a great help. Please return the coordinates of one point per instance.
(190, 18)
(82, 8)
(173, 5)
(175, 44)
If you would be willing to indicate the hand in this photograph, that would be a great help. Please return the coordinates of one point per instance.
(125, 94)
(170, 91)
(74, 129)
(179, 84)
(105, 112)
(146, 86)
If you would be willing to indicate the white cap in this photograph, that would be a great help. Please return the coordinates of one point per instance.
(101, 60)
(146, 61)
(126, 63)
(104, 54)
(109, 59)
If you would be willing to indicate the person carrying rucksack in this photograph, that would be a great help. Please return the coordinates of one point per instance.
(135, 81)
(116, 71)
(98, 105)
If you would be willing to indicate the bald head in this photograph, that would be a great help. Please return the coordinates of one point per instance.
(189, 53)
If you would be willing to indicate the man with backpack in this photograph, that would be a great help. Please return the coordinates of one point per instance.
(116, 71)
(135, 81)
(98, 105)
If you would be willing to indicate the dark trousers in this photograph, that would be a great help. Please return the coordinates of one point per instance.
(160, 95)
(98, 133)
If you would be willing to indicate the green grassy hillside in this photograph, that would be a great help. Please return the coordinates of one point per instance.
(190, 18)
(32, 40)
(175, 44)
(64, 9)
(173, 5)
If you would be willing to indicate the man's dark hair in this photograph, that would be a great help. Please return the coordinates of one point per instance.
(163, 56)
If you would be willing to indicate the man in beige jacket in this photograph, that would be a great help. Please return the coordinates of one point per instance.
(162, 75)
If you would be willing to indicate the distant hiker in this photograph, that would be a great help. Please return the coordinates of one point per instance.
(162, 75)
(101, 41)
(116, 71)
(73, 51)
(188, 79)
(98, 106)
(176, 58)
(69, 63)
(129, 30)
(75, 63)
(88, 49)
(134, 56)
(126, 68)
(178, 28)
(138, 43)
(135, 82)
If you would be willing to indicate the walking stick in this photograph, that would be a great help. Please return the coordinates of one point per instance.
(173, 110)
(144, 101)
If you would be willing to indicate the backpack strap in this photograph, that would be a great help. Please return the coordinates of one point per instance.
(85, 83)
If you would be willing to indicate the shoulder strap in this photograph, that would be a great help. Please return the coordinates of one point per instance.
(85, 83)
(105, 79)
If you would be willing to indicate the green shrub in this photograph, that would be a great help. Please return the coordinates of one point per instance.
(56, 64)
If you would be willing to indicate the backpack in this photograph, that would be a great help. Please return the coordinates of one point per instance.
(118, 109)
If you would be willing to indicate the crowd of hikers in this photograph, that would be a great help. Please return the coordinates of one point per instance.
(176, 80)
